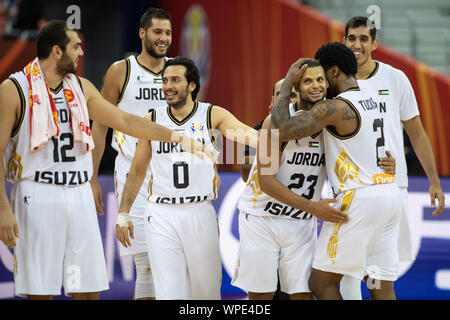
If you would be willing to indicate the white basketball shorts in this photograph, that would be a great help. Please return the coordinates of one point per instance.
(270, 246)
(183, 243)
(347, 248)
(137, 210)
(405, 247)
(59, 240)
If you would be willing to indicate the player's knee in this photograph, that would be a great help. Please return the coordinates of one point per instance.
(260, 295)
(145, 287)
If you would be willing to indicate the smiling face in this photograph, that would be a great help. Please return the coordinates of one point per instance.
(313, 86)
(176, 89)
(156, 40)
(70, 57)
(360, 42)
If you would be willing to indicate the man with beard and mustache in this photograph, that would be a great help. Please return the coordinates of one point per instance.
(392, 88)
(134, 84)
(181, 226)
(54, 209)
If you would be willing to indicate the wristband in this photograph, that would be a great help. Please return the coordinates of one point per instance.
(123, 219)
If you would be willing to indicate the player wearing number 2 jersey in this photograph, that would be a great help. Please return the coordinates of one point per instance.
(394, 91)
(354, 143)
(181, 229)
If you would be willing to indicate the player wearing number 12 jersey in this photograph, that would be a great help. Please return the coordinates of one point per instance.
(181, 229)
(354, 143)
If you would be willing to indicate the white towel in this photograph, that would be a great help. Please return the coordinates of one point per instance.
(44, 115)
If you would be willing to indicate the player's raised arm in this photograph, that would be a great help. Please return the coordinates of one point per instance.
(232, 128)
(9, 115)
(107, 114)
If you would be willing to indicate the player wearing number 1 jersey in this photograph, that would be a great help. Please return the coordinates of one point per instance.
(181, 228)
(135, 85)
(354, 142)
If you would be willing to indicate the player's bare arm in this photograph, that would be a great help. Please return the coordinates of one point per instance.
(232, 128)
(107, 114)
(112, 85)
(9, 117)
(325, 113)
(135, 178)
(274, 188)
(424, 151)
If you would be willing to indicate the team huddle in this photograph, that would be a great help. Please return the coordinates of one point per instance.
(327, 120)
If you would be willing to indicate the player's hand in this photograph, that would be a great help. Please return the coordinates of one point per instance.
(296, 71)
(98, 197)
(124, 227)
(9, 230)
(436, 193)
(387, 164)
(323, 211)
(196, 147)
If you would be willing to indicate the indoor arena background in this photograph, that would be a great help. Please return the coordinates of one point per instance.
(241, 48)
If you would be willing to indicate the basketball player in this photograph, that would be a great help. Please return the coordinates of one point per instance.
(249, 153)
(59, 240)
(392, 88)
(134, 85)
(276, 236)
(181, 228)
(354, 141)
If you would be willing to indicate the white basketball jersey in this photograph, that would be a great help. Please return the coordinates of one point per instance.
(178, 176)
(61, 161)
(352, 161)
(395, 95)
(302, 170)
(141, 93)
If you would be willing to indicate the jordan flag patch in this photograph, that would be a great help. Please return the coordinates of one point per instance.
(158, 81)
(313, 144)
(384, 92)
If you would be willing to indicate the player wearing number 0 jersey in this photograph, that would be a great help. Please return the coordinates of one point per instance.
(177, 183)
(181, 226)
(135, 85)
(354, 143)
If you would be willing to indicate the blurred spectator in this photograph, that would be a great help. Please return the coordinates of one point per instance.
(29, 12)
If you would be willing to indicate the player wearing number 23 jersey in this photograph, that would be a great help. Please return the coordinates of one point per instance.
(355, 142)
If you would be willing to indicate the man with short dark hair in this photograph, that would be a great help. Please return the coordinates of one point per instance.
(353, 149)
(134, 85)
(393, 89)
(59, 242)
(181, 224)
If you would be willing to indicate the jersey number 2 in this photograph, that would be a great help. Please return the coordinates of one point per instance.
(379, 124)
(64, 148)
